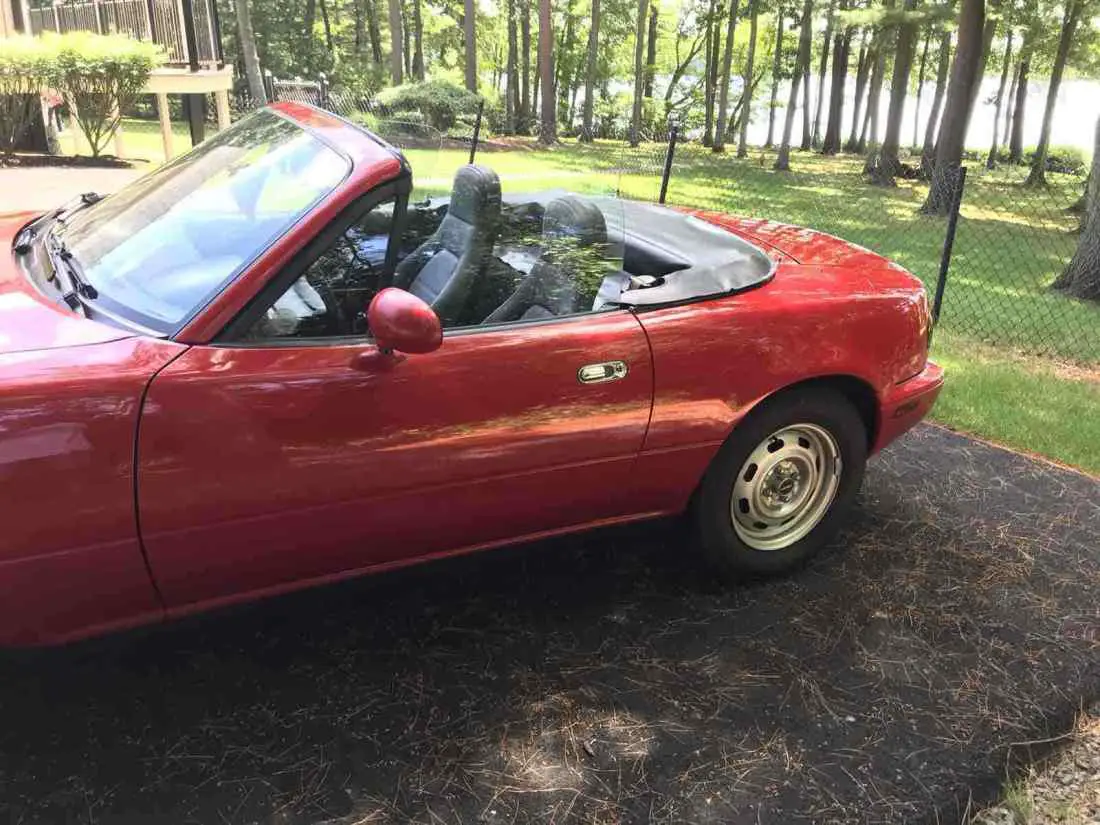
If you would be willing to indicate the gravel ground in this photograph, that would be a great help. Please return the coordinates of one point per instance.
(1063, 791)
(607, 678)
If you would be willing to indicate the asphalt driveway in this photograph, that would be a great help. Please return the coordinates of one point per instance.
(605, 678)
(38, 188)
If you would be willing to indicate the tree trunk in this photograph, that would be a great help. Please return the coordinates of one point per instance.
(327, 27)
(651, 53)
(406, 51)
(802, 62)
(639, 72)
(863, 66)
(397, 58)
(710, 48)
(719, 143)
(563, 77)
(991, 161)
(526, 96)
(418, 43)
(928, 151)
(874, 95)
(469, 30)
(746, 97)
(777, 65)
(988, 33)
(949, 146)
(841, 45)
(1082, 277)
(307, 33)
(1038, 176)
(889, 162)
(374, 33)
(548, 128)
(920, 88)
(1010, 105)
(248, 53)
(360, 27)
(1019, 109)
(511, 95)
(826, 42)
(807, 79)
(590, 68)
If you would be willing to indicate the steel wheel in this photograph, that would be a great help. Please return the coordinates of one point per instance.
(785, 487)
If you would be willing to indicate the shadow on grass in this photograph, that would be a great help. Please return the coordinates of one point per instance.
(604, 678)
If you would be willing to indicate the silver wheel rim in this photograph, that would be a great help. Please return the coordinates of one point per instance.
(785, 487)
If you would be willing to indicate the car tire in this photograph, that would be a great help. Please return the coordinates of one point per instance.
(782, 484)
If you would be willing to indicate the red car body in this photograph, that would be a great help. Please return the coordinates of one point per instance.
(147, 478)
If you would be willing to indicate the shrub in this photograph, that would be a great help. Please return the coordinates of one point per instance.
(1068, 160)
(100, 76)
(26, 68)
(440, 102)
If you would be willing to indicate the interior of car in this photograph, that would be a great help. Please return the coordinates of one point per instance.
(480, 258)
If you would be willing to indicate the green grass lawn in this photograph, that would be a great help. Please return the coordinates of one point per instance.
(140, 140)
(1002, 332)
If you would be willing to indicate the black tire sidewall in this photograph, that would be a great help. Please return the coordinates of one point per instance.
(827, 409)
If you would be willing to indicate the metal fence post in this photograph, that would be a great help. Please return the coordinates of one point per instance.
(667, 173)
(322, 90)
(269, 86)
(477, 129)
(948, 243)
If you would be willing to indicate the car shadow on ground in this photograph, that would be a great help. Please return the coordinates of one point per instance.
(606, 678)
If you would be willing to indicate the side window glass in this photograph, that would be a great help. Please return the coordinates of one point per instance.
(330, 298)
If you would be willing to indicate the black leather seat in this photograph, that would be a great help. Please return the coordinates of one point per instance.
(443, 269)
(573, 263)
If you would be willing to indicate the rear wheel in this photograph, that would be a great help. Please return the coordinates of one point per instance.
(782, 484)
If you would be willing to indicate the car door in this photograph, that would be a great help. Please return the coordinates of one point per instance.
(267, 462)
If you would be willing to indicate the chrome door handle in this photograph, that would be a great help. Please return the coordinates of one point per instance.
(602, 373)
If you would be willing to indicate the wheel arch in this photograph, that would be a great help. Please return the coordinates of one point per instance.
(856, 390)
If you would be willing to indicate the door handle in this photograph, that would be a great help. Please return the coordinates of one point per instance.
(602, 373)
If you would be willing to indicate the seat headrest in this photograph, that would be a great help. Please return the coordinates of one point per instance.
(475, 194)
(576, 218)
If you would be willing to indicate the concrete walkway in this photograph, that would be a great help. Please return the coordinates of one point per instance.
(40, 188)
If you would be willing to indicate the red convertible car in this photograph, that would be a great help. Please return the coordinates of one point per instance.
(265, 366)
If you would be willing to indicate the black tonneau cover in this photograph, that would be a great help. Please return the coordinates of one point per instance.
(714, 261)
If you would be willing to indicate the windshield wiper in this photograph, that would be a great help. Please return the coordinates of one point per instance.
(25, 239)
(75, 205)
(79, 286)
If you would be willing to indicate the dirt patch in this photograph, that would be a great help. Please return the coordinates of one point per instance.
(1063, 791)
(28, 160)
(607, 678)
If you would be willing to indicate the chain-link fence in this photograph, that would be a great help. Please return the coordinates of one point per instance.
(1010, 244)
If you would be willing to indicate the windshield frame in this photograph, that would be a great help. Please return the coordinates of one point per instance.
(104, 307)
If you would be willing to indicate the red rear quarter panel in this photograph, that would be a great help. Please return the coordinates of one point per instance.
(713, 361)
(70, 559)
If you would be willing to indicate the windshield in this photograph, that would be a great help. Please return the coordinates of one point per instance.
(162, 247)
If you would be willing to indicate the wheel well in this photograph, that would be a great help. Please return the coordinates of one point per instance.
(856, 390)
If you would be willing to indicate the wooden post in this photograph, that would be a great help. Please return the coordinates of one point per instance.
(165, 124)
(221, 101)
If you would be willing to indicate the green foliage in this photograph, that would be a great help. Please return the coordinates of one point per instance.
(440, 103)
(26, 68)
(1069, 160)
(99, 76)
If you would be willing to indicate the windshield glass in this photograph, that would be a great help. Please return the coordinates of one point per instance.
(162, 247)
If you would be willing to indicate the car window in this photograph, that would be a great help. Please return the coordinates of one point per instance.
(160, 248)
(330, 298)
